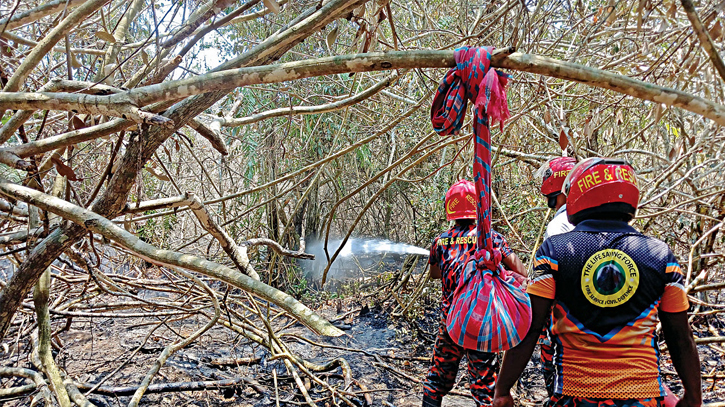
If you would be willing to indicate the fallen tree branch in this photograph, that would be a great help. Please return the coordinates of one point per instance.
(165, 387)
(41, 294)
(78, 103)
(98, 224)
(712, 339)
(179, 344)
(277, 248)
(18, 391)
(36, 377)
(708, 287)
(66, 139)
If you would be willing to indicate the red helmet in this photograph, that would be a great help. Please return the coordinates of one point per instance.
(461, 201)
(552, 175)
(601, 188)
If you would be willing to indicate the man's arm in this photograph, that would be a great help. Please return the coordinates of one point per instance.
(685, 358)
(514, 264)
(435, 272)
(515, 360)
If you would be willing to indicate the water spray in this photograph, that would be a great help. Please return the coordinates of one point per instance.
(357, 254)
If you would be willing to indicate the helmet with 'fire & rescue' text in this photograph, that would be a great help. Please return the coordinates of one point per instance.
(461, 201)
(552, 175)
(601, 188)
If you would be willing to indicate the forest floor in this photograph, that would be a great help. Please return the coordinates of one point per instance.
(389, 358)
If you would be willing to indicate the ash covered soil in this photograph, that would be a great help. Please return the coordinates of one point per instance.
(388, 357)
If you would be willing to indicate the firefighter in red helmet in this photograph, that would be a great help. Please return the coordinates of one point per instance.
(609, 286)
(552, 175)
(449, 254)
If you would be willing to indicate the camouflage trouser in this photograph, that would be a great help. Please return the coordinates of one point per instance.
(547, 356)
(558, 400)
(482, 368)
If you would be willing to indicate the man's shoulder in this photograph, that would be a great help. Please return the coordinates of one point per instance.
(643, 247)
(560, 224)
(648, 245)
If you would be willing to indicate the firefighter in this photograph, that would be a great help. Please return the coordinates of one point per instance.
(449, 254)
(552, 175)
(610, 286)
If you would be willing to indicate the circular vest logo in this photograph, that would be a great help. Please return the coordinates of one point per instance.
(609, 278)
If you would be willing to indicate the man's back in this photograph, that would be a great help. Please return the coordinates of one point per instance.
(608, 281)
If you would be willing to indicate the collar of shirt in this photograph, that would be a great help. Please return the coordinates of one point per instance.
(561, 210)
(596, 225)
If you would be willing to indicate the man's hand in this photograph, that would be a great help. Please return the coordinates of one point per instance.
(435, 272)
(685, 358)
(516, 358)
(689, 401)
(508, 401)
(514, 264)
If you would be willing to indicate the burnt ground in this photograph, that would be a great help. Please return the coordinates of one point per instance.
(388, 357)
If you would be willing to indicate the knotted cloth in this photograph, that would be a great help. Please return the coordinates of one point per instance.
(490, 312)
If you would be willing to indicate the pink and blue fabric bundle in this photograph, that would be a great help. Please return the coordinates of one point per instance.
(490, 311)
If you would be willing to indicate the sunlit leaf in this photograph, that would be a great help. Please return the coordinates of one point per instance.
(162, 177)
(563, 140)
(331, 37)
(105, 36)
(658, 110)
(272, 6)
(63, 169)
(74, 61)
(716, 31)
(78, 122)
(672, 11)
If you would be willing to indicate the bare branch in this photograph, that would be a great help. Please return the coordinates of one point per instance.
(98, 224)
(303, 110)
(37, 13)
(707, 44)
(233, 78)
(236, 253)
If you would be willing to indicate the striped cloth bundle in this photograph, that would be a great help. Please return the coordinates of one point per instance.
(490, 312)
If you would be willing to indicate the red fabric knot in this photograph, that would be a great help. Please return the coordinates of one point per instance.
(488, 260)
(471, 79)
